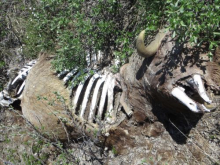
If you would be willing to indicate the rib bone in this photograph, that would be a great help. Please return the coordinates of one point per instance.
(21, 88)
(200, 87)
(63, 73)
(22, 74)
(94, 98)
(78, 91)
(110, 109)
(178, 93)
(75, 77)
(86, 96)
(69, 75)
(103, 96)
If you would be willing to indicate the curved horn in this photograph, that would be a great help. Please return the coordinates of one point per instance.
(151, 49)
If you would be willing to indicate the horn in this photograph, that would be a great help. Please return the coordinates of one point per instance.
(151, 49)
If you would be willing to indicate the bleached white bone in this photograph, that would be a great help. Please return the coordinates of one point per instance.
(117, 106)
(77, 94)
(94, 98)
(69, 75)
(61, 74)
(21, 88)
(103, 96)
(184, 99)
(5, 100)
(88, 59)
(31, 63)
(22, 74)
(110, 109)
(87, 93)
(72, 81)
(201, 89)
(125, 105)
(75, 77)
(99, 58)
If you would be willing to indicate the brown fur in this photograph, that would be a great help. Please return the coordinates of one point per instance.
(153, 129)
(119, 140)
(41, 82)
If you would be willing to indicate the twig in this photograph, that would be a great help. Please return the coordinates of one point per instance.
(210, 157)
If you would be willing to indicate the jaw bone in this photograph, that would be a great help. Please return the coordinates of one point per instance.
(179, 93)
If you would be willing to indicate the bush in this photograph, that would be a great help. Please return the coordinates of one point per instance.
(73, 29)
(196, 21)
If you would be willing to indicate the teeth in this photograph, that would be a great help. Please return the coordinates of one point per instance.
(200, 87)
(178, 93)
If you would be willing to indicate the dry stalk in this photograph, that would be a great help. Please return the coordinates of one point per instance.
(195, 144)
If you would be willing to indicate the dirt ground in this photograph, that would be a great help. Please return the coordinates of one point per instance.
(170, 140)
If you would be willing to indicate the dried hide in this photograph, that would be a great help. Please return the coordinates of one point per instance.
(39, 103)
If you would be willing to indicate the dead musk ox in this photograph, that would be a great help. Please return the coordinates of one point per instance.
(178, 77)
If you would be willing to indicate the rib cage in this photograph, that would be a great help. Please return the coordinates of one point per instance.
(93, 100)
(94, 97)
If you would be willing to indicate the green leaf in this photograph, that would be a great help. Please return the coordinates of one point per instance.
(216, 33)
(174, 34)
(181, 9)
(182, 23)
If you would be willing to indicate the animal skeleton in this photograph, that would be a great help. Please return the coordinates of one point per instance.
(89, 105)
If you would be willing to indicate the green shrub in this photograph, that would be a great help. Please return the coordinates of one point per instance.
(72, 29)
(196, 21)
